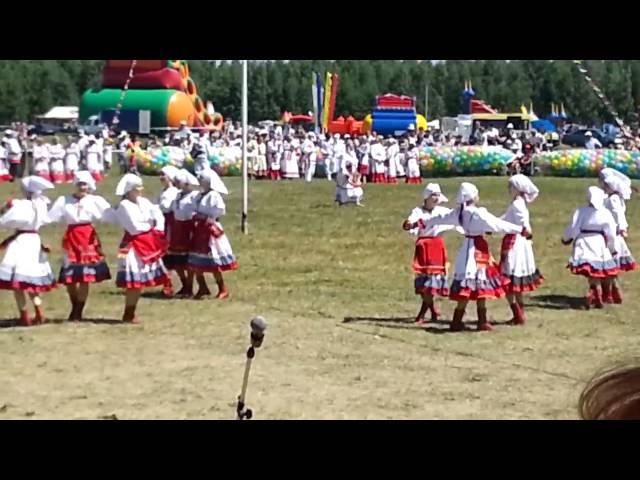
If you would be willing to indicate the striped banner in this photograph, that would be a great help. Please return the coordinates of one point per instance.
(326, 102)
(320, 98)
(314, 100)
(335, 81)
(605, 101)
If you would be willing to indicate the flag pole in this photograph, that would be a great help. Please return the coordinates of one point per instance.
(245, 170)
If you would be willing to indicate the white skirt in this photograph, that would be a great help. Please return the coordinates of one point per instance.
(624, 260)
(25, 266)
(519, 265)
(290, 167)
(133, 273)
(591, 257)
(413, 169)
(41, 166)
(349, 195)
(71, 163)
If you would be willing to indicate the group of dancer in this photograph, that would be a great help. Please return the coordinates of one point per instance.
(597, 233)
(199, 247)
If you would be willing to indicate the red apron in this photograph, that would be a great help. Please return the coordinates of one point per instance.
(150, 246)
(82, 245)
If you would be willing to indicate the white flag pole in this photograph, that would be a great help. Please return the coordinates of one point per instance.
(245, 170)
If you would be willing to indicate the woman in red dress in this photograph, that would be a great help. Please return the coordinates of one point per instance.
(83, 263)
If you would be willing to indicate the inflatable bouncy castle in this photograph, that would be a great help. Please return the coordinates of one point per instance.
(393, 115)
(163, 87)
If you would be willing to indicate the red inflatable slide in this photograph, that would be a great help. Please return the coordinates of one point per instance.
(166, 78)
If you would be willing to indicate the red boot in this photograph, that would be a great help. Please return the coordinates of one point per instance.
(594, 298)
(435, 313)
(420, 320)
(167, 289)
(457, 325)
(25, 320)
(483, 323)
(130, 315)
(518, 314)
(616, 295)
(73, 316)
(40, 317)
(79, 310)
(606, 293)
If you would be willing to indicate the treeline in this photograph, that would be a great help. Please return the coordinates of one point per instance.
(31, 87)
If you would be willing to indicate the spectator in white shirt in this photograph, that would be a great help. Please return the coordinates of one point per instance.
(592, 143)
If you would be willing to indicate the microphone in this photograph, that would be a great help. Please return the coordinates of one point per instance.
(258, 326)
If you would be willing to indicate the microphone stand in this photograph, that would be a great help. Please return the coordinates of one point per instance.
(244, 413)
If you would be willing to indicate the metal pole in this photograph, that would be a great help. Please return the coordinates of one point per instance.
(245, 170)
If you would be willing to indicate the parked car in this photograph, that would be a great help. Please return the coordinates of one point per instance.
(45, 129)
(578, 138)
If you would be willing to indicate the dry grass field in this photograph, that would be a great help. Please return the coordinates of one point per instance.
(335, 286)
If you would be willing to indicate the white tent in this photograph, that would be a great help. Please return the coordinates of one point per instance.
(66, 114)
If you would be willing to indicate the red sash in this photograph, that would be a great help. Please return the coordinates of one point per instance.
(150, 246)
(482, 254)
(508, 241)
(202, 233)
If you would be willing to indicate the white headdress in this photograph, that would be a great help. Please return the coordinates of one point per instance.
(83, 176)
(468, 191)
(433, 189)
(36, 185)
(596, 197)
(128, 183)
(170, 172)
(186, 177)
(617, 181)
(524, 185)
(214, 180)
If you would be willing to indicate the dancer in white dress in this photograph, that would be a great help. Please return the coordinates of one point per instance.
(290, 168)
(5, 176)
(95, 163)
(25, 268)
(393, 151)
(182, 228)
(348, 185)
(84, 261)
(379, 157)
(143, 244)
(430, 259)
(477, 275)
(517, 261)
(593, 234)
(274, 155)
(413, 165)
(72, 160)
(618, 188)
(168, 194)
(211, 251)
(41, 159)
(56, 161)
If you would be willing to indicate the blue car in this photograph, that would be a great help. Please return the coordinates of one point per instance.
(578, 138)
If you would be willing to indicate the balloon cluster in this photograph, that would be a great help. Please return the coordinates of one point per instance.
(224, 161)
(467, 160)
(587, 163)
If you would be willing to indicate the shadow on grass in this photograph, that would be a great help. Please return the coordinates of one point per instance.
(156, 295)
(438, 327)
(102, 321)
(556, 302)
(13, 322)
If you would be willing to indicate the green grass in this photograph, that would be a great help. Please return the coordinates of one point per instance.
(308, 266)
